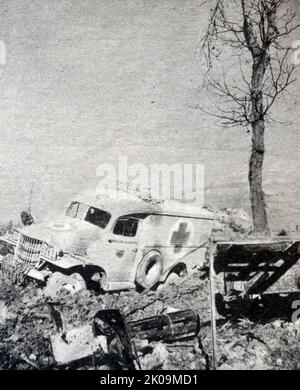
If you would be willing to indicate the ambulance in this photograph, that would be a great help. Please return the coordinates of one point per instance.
(113, 243)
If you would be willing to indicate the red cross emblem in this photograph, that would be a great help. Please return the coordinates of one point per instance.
(180, 237)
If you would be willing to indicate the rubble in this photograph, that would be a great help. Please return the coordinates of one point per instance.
(76, 344)
(155, 358)
(231, 224)
(58, 281)
(27, 325)
(30, 326)
(3, 313)
(109, 324)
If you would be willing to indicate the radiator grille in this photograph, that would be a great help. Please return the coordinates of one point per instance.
(28, 249)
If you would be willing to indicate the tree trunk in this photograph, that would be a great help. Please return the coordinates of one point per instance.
(261, 60)
(257, 198)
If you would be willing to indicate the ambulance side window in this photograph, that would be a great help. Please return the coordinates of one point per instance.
(126, 227)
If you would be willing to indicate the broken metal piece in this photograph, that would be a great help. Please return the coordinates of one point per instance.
(110, 333)
(57, 317)
(75, 344)
(114, 319)
(176, 325)
(35, 274)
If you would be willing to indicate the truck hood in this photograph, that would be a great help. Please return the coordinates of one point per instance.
(64, 232)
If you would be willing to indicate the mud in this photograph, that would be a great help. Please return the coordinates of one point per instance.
(261, 340)
(27, 325)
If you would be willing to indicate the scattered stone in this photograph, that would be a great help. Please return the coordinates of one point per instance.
(279, 362)
(3, 313)
(277, 324)
(156, 359)
(14, 338)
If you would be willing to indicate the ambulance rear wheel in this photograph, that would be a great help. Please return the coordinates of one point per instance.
(174, 277)
(149, 270)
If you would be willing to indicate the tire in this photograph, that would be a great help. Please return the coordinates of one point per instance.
(149, 270)
(58, 282)
(99, 279)
(174, 277)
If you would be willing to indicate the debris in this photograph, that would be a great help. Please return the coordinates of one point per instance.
(3, 313)
(156, 359)
(14, 338)
(23, 357)
(115, 320)
(25, 335)
(172, 325)
(277, 324)
(231, 224)
(76, 344)
(170, 309)
(56, 317)
(279, 362)
(58, 281)
(79, 343)
(32, 357)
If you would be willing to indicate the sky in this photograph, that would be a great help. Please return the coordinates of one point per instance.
(88, 81)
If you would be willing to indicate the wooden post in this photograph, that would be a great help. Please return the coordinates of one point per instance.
(212, 277)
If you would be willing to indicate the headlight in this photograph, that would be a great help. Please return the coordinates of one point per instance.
(49, 251)
(11, 236)
(14, 233)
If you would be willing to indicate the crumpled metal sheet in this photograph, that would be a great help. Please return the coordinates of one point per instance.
(76, 344)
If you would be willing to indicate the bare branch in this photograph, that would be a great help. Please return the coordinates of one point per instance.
(256, 30)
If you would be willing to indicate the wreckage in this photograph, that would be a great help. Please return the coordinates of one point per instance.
(112, 242)
(109, 326)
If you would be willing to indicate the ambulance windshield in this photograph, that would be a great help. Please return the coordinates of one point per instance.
(87, 213)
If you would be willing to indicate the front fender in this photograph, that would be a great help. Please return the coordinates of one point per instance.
(64, 262)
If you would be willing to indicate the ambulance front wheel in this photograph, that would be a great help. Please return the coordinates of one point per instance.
(149, 270)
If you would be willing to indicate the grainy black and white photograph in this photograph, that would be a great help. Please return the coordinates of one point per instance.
(149, 187)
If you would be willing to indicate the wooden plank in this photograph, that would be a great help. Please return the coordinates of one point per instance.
(257, 246)
(212, 277)
(259, 263)
(263, 283)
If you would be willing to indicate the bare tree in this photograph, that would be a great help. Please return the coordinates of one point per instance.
(256, 32)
